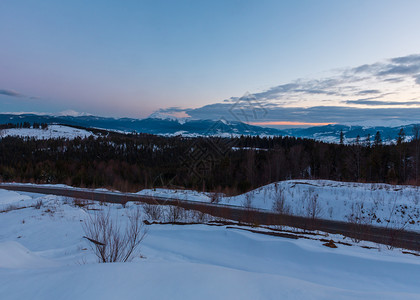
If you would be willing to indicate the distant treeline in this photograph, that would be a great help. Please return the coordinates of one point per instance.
(24, 125)
(230, 165)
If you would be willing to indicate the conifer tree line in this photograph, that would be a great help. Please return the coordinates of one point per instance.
(34, 125)
(231, 165)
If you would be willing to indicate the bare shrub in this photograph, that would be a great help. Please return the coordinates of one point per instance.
(313, 207)
(247, 202)
(198, 216)
(280, 206)
(175, 213)
(109, 242)
(330, 212)
(357, 215)
(215, 197)
(398, 221)
(358, 218)
(249, 216)
(38, 204)
(153, 212)
(68, 200)
(80, 202)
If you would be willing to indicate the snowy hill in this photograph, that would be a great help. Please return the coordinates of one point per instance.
(53, 131)
(43, 256)
(373, 204)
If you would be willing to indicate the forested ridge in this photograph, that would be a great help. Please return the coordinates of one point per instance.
(231, 165)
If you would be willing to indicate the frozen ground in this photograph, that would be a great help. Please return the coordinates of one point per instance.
(43, 256)
(53, 131)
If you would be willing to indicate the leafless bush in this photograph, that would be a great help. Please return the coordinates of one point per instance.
(313, 207)
(38, 204)
(330, 211)
(280, 206)
(175, 213)
(198, 216)
(358, 218)
(153, 212)
(68, 200)
(247, 202)
(397, 221)
(249, 216)
(215, 197)
(357, 214)
(109, 242)
(80, 202)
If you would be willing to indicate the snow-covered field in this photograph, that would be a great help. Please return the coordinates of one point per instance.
(43, 256)
(53, 131)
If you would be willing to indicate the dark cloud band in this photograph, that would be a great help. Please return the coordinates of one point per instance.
(10, 93)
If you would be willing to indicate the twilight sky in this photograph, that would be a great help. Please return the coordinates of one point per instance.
(298, 61)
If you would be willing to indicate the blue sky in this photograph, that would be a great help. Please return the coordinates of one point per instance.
(130, 58)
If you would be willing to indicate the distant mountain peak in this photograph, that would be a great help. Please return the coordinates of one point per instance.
(171, 117)
(72, 113)
(391, 123)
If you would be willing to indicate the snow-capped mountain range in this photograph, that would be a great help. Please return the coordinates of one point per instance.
(173, 126)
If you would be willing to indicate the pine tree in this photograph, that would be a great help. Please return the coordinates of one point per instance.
(378, 139)
(401, 137)
(341, 137)
(402, 154)
(367, 141)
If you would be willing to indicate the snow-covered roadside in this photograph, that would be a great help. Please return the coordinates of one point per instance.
(10, 199)
(43, 256)
(385, 205)
(188, 195)
(53, 131)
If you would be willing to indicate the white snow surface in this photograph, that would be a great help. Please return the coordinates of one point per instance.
(53, 131)
(392, 206)
(378, 204)
(14, 256)
(188, 195)
(43, 256)
(10, 198)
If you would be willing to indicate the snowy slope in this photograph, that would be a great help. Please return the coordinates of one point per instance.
(177, 194)
(383, 205)
(377, 204)
(53, 131)
(9, 198)
(43, 256)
